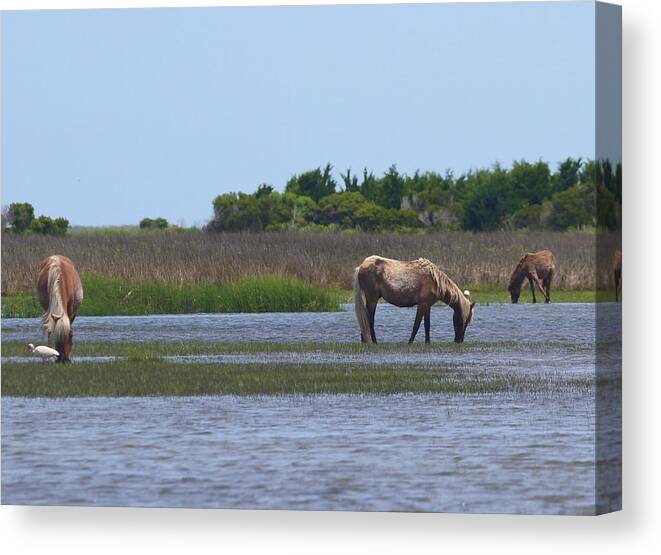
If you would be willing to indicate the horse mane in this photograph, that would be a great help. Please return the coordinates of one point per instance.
(55, 319)
(448, 290)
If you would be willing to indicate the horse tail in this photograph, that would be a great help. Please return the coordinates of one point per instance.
(55, 319)
(361, 308)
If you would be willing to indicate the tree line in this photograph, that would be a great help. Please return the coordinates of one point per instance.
(577, 195)
(19, 218)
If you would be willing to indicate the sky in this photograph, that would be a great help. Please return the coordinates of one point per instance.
(110, 116)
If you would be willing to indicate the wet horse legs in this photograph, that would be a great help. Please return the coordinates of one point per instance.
(422, 311)
(416, 326)
(371, 311)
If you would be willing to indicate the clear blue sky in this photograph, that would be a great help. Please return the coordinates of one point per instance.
(109, 116)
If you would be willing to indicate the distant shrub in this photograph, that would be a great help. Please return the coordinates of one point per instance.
(43, 225)
(19, 219)
(156, 223)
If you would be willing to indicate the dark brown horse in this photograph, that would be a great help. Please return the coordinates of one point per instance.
(407, 283)
(60, 294)
(537, 268)
(617, 273)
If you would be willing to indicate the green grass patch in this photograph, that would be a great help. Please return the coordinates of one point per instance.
(140, 378)
(149, 349)
(111, 297)
(493, 295)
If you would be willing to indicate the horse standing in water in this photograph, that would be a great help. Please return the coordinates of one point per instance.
(617, 273)
(60, 294)
(407, 283)
(538, 268)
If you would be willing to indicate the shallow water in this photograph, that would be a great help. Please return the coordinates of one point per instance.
(469, 453)
(574, 322)
(513, 452)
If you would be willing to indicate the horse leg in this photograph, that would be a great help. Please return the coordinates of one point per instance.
(418, 317)
(371, 311)
(427, 325)
(542, 290)
(532, 288)
(416, 326)
(617, 287)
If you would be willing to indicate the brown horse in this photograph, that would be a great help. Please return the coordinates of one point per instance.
(538, 268)
(402, 283)
(617, 273)
(60, 294)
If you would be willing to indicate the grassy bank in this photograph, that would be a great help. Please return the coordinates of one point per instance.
(557, 296)
(139, 378)
(107, 296)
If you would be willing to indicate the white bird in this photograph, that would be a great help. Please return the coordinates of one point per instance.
(467, 293)
(44, 352)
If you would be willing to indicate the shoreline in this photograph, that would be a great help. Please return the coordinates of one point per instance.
(300, 298)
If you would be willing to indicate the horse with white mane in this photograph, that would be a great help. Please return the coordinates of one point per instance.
(407, 283)
(60, 294)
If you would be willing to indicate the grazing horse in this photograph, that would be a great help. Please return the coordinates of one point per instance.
(402, 283)
(538, 267)
(60, 294)
(617, 273)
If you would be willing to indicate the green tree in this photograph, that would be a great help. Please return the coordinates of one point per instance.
(315, 184)
(370, 186)
(341, 208)
(303, 209)
(490, 200)
(392, 188)
(263, 190)
(528, 217)
(22, 215)
(43, 225)
(530, 183)
(258, 212)
(568, 173)
(574, 208)
(350, 181)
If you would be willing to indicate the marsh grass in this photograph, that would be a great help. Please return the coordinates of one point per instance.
(150, 350)
(154, 377)
(473, 260)
(105, 296)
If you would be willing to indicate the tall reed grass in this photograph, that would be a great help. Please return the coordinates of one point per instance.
(327, 259)
(106, 296)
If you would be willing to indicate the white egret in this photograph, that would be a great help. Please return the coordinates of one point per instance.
(44, 352)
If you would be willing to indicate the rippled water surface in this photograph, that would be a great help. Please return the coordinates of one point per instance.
(482, 453)
(507, 452)
(493, 322)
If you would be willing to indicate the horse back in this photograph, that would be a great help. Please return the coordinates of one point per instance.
(541, 262)
(71, 289)
(402, 283)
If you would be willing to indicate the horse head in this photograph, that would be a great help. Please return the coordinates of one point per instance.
(514, 290)
(463, 315)
(66, 348)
